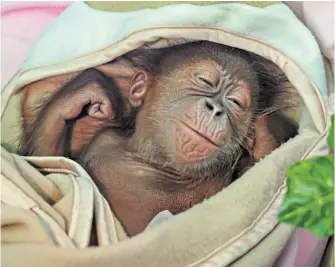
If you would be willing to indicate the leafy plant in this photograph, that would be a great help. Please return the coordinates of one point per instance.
(309, 200)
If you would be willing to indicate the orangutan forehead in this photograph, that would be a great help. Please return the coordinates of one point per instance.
(211, 69)
(221, 63)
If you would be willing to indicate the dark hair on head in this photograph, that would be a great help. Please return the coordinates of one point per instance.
(275, 90)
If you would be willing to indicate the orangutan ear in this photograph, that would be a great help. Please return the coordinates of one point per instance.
(264, 143)
(138, 88)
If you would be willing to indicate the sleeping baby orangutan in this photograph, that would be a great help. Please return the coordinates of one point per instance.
(190, 124)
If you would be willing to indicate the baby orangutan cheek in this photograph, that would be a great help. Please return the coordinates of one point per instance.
(190, 146)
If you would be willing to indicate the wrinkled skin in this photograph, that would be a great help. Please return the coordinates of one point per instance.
(197, 126)
(198, 112)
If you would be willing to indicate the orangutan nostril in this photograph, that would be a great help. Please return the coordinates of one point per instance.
(209, 105)
(215, 109)
(218, 114)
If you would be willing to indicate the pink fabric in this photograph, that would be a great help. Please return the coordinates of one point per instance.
(318, 16)
(22, 22)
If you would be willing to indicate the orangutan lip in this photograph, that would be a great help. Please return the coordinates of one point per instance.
(200, 134)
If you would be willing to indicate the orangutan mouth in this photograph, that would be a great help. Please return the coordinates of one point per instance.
(200, 134)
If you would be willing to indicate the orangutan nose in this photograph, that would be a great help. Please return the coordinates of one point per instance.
(213, 107)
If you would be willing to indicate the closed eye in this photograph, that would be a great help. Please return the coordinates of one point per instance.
(236, 102)
(206, 81)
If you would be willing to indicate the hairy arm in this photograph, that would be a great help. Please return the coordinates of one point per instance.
(91, 94)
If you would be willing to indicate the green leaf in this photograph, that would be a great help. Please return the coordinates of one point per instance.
(309, 200)
(330, 138)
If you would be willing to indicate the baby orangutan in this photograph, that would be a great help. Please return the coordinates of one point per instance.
(201, 117)
(194, 125)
